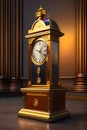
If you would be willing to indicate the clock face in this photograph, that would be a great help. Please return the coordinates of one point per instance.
(39, 52)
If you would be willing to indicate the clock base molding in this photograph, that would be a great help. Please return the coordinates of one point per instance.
(43, 116)
(44, 104)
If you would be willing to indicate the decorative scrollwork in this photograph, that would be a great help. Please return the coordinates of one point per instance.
(40, 13)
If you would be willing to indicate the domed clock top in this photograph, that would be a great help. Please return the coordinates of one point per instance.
(43, 23)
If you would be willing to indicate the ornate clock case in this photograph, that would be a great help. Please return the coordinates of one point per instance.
(44, 99)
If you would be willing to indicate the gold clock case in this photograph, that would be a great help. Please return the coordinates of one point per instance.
(49, 35)
(45, 102)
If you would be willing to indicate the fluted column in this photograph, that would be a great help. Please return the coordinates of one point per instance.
(4, 39)
(11, 32)
(16, 38)
(81, 47)
(11, 41)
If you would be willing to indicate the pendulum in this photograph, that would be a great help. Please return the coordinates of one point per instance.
(38, 80)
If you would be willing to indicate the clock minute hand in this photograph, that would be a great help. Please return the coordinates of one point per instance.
(40, 49)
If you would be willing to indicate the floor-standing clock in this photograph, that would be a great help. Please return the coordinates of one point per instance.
(44, 99)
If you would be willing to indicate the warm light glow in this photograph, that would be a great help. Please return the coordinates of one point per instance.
(67, 51)
(67, 42)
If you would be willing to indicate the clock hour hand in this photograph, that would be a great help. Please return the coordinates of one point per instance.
(38, 50)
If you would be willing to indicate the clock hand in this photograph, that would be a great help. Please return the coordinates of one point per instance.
(38, 50)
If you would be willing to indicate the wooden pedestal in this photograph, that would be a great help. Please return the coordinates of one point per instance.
(44, 104)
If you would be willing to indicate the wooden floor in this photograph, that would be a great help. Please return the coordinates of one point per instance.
(10, 121)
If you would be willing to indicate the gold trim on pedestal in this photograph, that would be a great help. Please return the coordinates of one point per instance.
(44, 116)
(42, 88)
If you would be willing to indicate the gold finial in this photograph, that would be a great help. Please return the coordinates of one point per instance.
(40, 13)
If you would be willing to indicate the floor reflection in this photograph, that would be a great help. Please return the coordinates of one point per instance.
(76, 121)
(9, 119)
(27, 124)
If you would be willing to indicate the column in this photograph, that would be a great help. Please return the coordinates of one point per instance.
(4, 39)
(81, 48)
(11, 41)
(16, 38)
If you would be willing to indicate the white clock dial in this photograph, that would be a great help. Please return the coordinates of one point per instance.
(39, 52)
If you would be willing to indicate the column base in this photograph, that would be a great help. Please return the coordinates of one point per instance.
(80, 84)
(11, 87)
